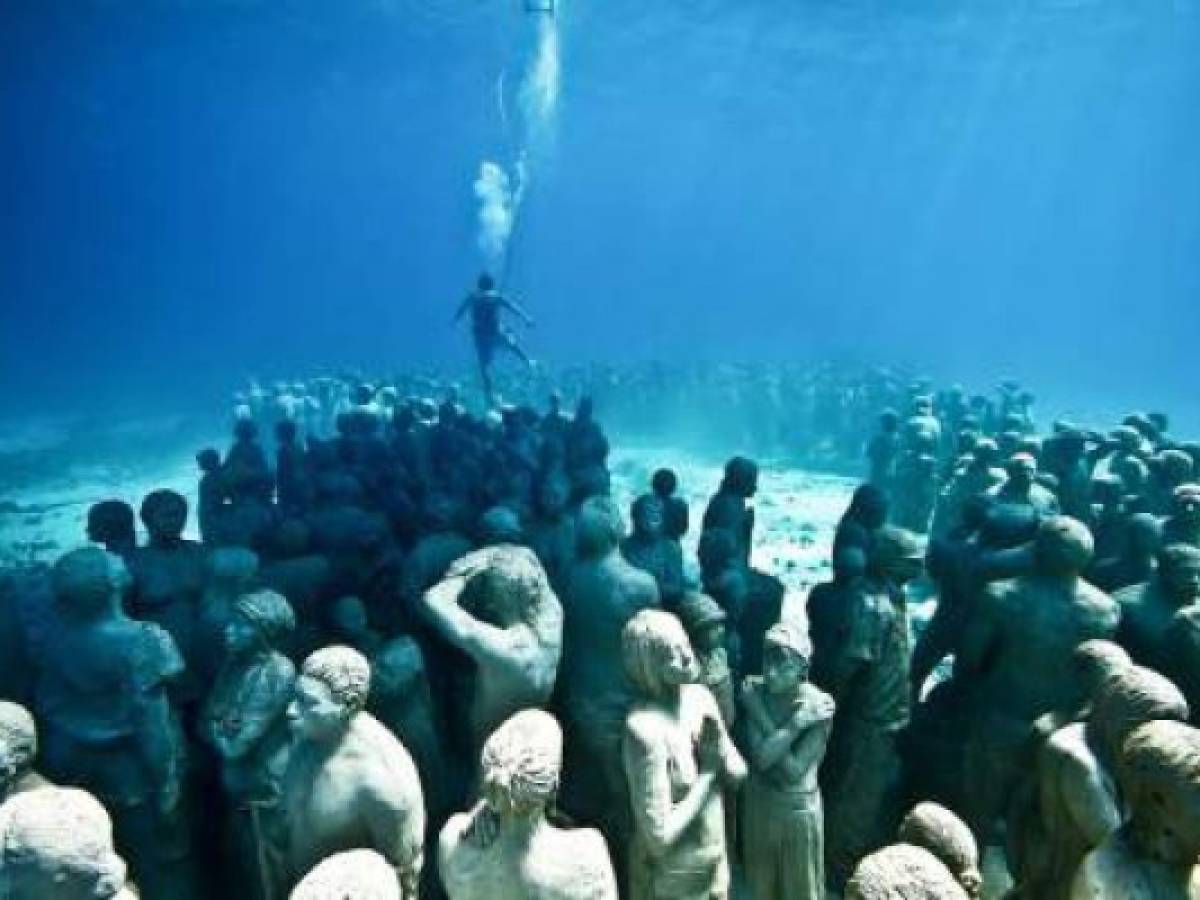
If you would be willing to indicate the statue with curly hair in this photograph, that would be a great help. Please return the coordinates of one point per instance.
(57, 844)
(497, 606)
(351, 875)
(679, 762)
(1152, 856)
(18, 751)
(504, 848)
(349, 782)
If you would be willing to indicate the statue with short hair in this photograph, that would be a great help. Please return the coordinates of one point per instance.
(1148, 610)
(936, 858)
(107, 721)
(505, 848)
(679, 761)
(349, 782)
(787, 725)
(1152, 856)
(57, 844)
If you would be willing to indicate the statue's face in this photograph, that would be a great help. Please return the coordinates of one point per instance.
(679, 663)
(649, 522)
(241, 637)
(783, 670)
(1169, 831)
(314, 713)
(1182, 580)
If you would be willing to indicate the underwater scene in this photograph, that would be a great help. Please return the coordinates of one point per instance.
(599, 450)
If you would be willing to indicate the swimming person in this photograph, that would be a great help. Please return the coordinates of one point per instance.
(485, 304)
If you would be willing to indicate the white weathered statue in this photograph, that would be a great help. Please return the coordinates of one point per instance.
(56, 844)
(352, 875)
(679, 761)
(497, 606)
(504, 849)
(349, 782)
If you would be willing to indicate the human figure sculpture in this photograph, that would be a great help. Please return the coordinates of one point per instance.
(349, 782)
(676, 514)
(1014, 660)
(604, 592)
(401, 699)
(916, 492)
(679, 761)
(57, 844)
(883, 452)
(1183, 525)
(648, 548)
(107, 722)
(505, 848)
(980, 476)
(1020, 487)
(18, 751)
(787, 726)
(1147, 610)
(497, 606)
(704, 621)
(168, 581)
(350, 875)
(1074, 790)
(1136, 561)
(211, 496)
(552, 532)
(110, 524)
(244, 720)
(729, 507)
(1153, 855)
(936, 859)
(232, 572)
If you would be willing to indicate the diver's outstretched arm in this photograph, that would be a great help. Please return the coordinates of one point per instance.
(463, 307)
(516, 310)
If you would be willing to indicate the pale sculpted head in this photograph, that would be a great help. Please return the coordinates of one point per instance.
(942, 833)
(657, 654)
(56, 844)
(18, 741)
(521, 764)
(353, 875)
(332, 688)
(1159, 773)
(787, 652)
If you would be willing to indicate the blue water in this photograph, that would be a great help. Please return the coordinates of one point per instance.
(196, 191)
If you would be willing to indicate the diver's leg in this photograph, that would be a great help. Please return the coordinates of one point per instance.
(485, 348)
(509, 343)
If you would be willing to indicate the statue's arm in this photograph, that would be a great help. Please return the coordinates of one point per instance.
(396, 830)
(659, 821)
(155, 660)
(480, 640)
(1091, 806)
(261, 711)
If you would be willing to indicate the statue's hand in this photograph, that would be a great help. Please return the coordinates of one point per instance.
(169, 796)
(484, 827)
(708, 746)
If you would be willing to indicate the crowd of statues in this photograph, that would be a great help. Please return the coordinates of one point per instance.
(417, 653)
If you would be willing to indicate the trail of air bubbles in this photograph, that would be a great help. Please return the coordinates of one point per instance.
(501, 189)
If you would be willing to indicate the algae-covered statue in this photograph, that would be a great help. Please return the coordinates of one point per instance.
(497, 606)
(649, 548)
(936, 859)
(604, 592)
(1153, 855)
(704, 621)
(787, 724)
(244, 720)
(107, 722)
(351, 875)
(504, 848)
(57, 844)
(730, 508)
(679, 761)
(18, 751)
(349, 782)
(1015, 661)
(1147, 610)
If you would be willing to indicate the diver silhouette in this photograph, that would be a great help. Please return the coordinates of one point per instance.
(485, 304)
